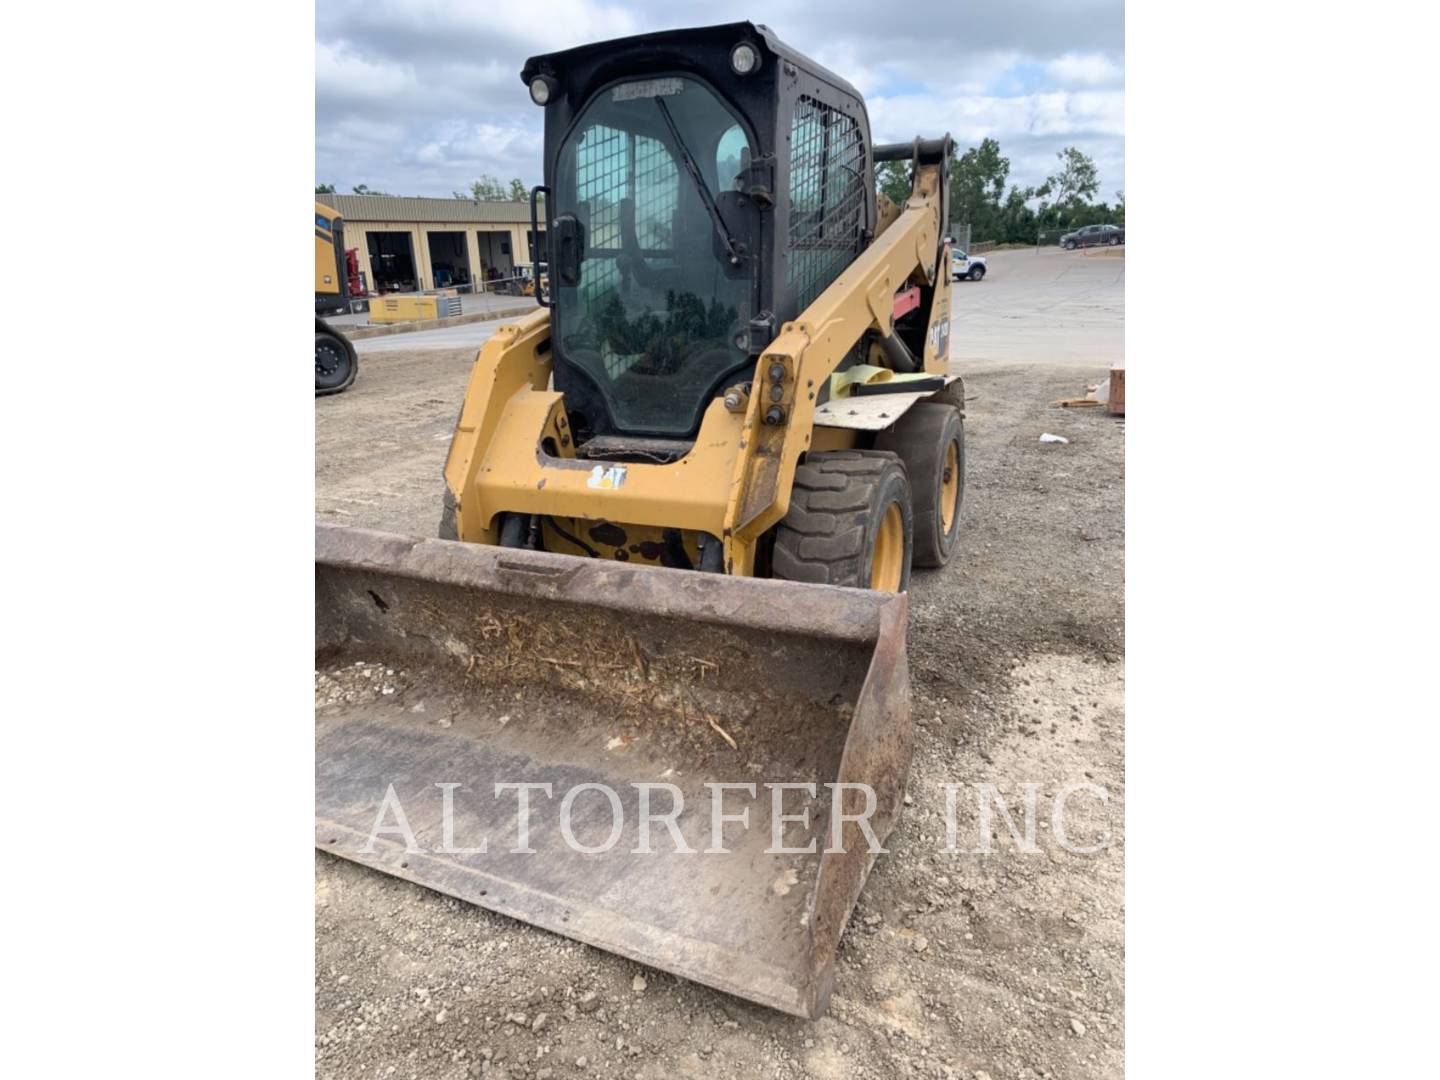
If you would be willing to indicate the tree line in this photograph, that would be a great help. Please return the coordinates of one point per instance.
(978, 196)
(486, 189)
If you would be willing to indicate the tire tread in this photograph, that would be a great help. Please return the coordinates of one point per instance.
(823, 536)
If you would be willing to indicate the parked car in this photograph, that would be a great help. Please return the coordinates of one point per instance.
(969, 267)
(1093, 236)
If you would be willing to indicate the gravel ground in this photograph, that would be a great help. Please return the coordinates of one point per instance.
(1001, 965)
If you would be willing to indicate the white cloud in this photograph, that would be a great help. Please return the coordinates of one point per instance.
(419, 96)
(483, 148)
(842, 58)
(1084, 113)
(971, 73)
(340, 73)
(359, 138)
(1084, 69)
(1030, 128)
(972, 118)
(541, 26)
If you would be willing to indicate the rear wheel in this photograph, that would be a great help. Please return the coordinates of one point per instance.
(930, 440)
(335, 365)
(850, 522)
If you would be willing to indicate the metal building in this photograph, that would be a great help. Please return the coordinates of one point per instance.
(409, 244)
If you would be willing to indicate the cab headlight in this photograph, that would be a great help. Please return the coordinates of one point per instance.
(542, 89)
(744, 58)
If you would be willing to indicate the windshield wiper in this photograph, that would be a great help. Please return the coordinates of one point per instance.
(732, 251)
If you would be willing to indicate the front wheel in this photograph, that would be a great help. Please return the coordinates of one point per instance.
(850, 522)
(976, 273)
(1070, 245)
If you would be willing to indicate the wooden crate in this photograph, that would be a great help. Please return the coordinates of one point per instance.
(1117, 392)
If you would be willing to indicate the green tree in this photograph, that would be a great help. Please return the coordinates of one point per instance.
(489, 189)
(893, 179)
(1075, 180)
(977, 184)
(1018, 223)
(324, 189)
(362, 189)
(486, 189)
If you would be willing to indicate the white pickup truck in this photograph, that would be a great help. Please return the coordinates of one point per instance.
(967, 267)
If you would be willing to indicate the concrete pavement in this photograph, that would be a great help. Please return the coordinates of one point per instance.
(466, 335)
(1048, 307)
(470, 304)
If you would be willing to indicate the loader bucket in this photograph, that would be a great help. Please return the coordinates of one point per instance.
(444, 669)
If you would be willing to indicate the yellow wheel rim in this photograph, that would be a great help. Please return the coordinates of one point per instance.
(887, 561)
(950, 488)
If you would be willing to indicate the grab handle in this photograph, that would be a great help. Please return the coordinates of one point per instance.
(540, 297)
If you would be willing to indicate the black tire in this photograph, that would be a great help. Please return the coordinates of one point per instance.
(977, 273)
(1069, 245)
(922, 440)
(335, 364)
(1114, 241)
(513, 529)
(837, 507)
(449, 529)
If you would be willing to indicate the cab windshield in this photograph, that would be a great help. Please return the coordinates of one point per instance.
(655, 316)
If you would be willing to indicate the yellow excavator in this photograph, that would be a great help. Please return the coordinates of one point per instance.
(681, 505)
(336, 364)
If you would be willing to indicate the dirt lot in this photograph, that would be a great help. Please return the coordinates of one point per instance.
(1002, 965)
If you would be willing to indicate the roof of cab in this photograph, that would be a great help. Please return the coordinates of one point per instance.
(558, 61)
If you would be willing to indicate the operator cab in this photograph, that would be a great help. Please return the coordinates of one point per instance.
(701, 188)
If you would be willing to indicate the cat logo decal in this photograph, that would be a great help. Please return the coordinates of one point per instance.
(606, 477)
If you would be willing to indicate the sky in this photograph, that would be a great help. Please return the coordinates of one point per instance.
(420, 97)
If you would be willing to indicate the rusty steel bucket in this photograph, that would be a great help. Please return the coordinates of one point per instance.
(444, 669)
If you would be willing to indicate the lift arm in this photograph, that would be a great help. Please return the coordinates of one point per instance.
(808, 350)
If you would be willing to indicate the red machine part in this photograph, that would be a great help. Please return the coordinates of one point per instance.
(352, 272)
(907, 300)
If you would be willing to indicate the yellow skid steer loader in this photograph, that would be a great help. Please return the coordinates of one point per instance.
(648, 687)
